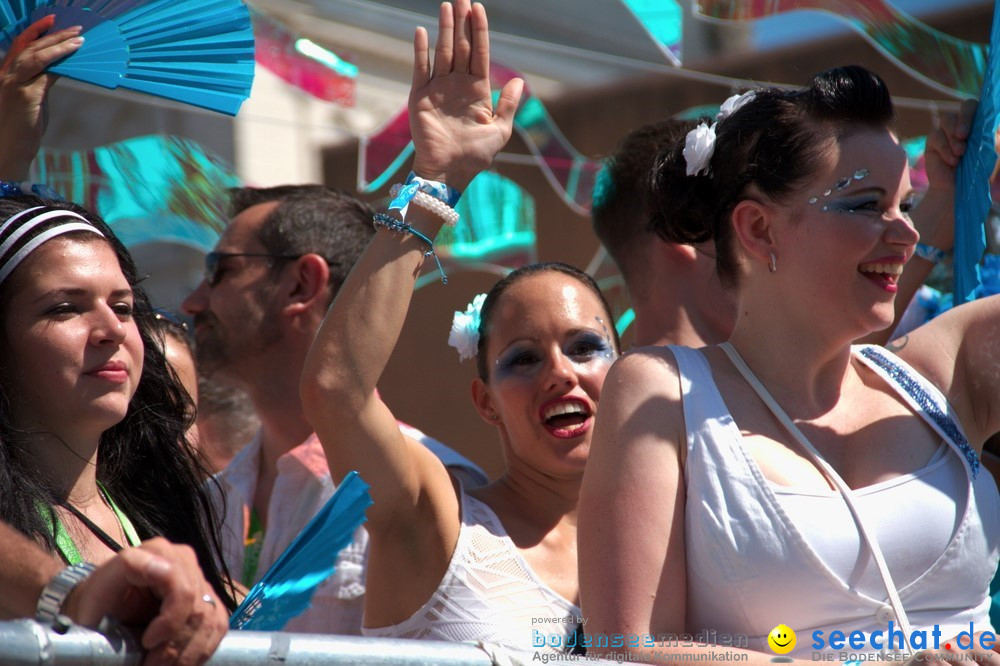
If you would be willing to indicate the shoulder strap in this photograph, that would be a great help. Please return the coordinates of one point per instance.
(64, 542)
(833, 476)
(130, 534)
(924, 398)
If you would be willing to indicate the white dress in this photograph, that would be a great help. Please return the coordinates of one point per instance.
(759, 555)
(488, 594)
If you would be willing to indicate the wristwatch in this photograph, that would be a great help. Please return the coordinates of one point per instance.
(54, 594)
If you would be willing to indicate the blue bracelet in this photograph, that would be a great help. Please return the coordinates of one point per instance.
(930, 253)
(414, 184)
(438, 190)
(13, 189)
(385, 221)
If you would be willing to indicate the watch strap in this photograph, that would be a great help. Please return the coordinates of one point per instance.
(54, 594)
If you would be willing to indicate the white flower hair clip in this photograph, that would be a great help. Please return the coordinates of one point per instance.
(733, 104)
(465, 329)
(699, 144)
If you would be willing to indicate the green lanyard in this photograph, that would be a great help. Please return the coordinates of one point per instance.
(64, 542)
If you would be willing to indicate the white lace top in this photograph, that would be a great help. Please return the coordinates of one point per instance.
(489, 593)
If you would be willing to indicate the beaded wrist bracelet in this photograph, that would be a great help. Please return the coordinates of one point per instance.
(385, 221)
(930, 253)
(434, 206)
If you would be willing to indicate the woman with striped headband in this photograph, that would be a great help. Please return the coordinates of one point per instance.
(93, 458)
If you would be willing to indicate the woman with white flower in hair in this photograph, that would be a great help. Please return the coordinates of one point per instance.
(788, 481)
(447, 563)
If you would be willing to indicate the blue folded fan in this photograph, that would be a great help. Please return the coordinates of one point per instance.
(972, 178)
(286, 590)
(200, 52)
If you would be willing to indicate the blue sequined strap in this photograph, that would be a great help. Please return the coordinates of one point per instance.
(923, 397)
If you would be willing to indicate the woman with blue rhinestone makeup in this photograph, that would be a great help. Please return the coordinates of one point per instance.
(495, 564)
(787, 476)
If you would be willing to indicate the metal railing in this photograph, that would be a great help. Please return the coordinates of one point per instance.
(24, 642)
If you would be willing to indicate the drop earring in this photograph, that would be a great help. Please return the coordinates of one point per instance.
(773, 266)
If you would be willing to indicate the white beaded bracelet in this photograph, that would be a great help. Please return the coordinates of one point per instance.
(434, 206)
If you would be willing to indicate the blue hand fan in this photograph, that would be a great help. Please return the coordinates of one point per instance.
(972, 179)
(200, 52)
(286, 590)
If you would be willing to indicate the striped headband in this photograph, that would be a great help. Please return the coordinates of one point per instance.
(23, 233)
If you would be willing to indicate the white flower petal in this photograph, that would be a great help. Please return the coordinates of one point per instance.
(464, 334)
(733, 104)
(699, 145)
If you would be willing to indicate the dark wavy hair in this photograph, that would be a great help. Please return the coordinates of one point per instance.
(776, 142)
(144, 460)
(512, 278)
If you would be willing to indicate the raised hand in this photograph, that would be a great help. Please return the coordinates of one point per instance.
(945, 146)
(935, 216)
(24, 86)
(456, 131)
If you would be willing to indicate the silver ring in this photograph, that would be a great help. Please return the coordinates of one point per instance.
(208, 598)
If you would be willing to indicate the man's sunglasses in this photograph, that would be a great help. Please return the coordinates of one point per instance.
(213, 261)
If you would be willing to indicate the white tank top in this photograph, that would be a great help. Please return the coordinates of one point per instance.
(757, 558)
(489, 593)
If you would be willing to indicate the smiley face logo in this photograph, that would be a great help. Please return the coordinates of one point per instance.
(781, 639)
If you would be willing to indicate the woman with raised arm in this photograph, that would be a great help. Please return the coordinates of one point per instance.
(494, 563)
(787, 477)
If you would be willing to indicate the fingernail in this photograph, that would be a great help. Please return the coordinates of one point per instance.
(76, 41)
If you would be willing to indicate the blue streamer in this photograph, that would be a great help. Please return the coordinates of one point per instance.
(972, 186)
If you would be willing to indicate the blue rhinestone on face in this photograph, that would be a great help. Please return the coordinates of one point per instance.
(927, 403)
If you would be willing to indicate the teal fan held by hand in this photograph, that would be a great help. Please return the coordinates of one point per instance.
(286, 590)
(199, 52)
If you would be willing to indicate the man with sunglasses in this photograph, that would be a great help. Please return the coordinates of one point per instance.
(268, 284)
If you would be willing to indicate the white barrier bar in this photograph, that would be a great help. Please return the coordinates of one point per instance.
(26, 642)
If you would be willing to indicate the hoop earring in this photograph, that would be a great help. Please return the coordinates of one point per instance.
(773, 266)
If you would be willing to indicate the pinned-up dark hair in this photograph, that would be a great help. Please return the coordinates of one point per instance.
(776, 142)
(512, 278)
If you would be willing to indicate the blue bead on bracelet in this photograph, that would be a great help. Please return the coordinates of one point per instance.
(13, 189)
(386, 221)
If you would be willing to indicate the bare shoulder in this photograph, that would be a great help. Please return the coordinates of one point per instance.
(959, 352)
(969, 332)
(644, 370)
(641, 401)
